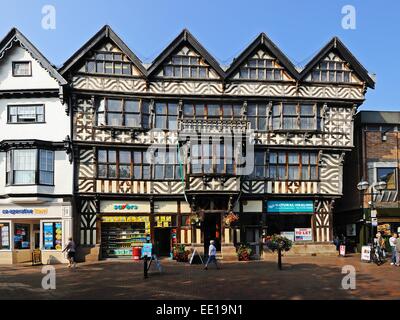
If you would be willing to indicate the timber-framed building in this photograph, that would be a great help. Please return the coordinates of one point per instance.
(295, 125)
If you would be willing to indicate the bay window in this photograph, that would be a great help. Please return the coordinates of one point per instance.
(30, 166)
(212, 111)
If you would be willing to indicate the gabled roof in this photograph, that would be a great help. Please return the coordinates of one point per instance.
(186, 37)
(263, 40)
(335, 43)
(14, 35)
(105, 33)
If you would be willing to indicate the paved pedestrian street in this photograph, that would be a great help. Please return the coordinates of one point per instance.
(301, 278)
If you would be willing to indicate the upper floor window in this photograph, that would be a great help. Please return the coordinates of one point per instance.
(212, 159)
(123, 164)
(257, 116)
(123, 113)
(104, 62)
(260, 165)
(288, 116)
(30, 166)
(21, 69)
(166, 115)
(261, 69)
(293, 166)
(201, 111)
(331, 71)
(168, 164)
(26, 114)
(185, 66)
(387, 175)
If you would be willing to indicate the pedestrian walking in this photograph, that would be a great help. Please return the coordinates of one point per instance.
(70, 248)
(393, 241)
(212, 255)
(398, 252)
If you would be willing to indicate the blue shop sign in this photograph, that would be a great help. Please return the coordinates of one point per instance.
(296, 206)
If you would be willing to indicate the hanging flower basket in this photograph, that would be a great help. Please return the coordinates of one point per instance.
(278, 243)
(230, 219)
(195, 219)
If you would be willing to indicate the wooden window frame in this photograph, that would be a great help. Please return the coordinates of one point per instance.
(124, 62)
(264, 67)
(191, 67)
(26, 106)
(22, 75)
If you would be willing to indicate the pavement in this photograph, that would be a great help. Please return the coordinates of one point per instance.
(302, 278)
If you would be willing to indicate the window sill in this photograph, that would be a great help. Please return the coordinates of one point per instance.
(120, 128)
(26, 122)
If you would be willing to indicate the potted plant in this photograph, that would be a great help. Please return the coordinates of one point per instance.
(180, 254)
(231, 218)
(278, 243)
(244, 252)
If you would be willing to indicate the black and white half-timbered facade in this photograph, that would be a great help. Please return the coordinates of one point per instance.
(184, 151)
(36, 200)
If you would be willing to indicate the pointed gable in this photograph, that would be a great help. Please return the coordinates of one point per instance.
(336, 64)
(16, 51)
(262, 60)
(106, 54)
(186, 58)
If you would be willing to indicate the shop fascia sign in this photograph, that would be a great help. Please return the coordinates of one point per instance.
(12, 212)
(125, 206)
(296, 206)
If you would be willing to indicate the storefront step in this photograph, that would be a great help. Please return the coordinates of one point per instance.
(317, 249)
(88, 254)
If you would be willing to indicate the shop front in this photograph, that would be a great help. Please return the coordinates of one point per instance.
(165, 227)
(290, 218)
(43, 229)
(124, 226)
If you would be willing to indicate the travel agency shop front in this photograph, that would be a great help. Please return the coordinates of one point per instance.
(43, 228)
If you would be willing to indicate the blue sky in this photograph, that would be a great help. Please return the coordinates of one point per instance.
(225, 28)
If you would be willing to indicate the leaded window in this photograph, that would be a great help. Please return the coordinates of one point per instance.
(296, 116)
(168, 165)
(331, 71)
(257, 116)
(123, 113)
(185, 66)
(202, 111)
(293, 165)
(261, 69)
(260, 171)
(123, 164)
(166, 115)
(111, 63)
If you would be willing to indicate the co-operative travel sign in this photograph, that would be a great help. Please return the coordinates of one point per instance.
(24, 211)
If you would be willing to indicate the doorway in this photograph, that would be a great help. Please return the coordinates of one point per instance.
(162, 242)
(212, 230)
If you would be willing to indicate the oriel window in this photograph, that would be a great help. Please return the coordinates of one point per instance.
(293, 166)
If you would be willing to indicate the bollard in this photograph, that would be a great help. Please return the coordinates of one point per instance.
(145, 267)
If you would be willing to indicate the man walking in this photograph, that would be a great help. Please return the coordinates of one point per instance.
(70, 248)
(212, 255)
(393, 241)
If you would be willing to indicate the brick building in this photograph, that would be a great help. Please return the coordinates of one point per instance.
(375, 158)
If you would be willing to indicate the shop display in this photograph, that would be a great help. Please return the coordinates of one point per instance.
(118, 239)
(163, 221)
(5, 236)
(21, 236)
(52, 236)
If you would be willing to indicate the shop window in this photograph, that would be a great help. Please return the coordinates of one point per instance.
(123, 113)
(30, 166)
(52, 235)
(5, 236)
(185, 220)
(293, 166)
(26, 114)
(22, 236)
(389, 176)
(296, 116)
